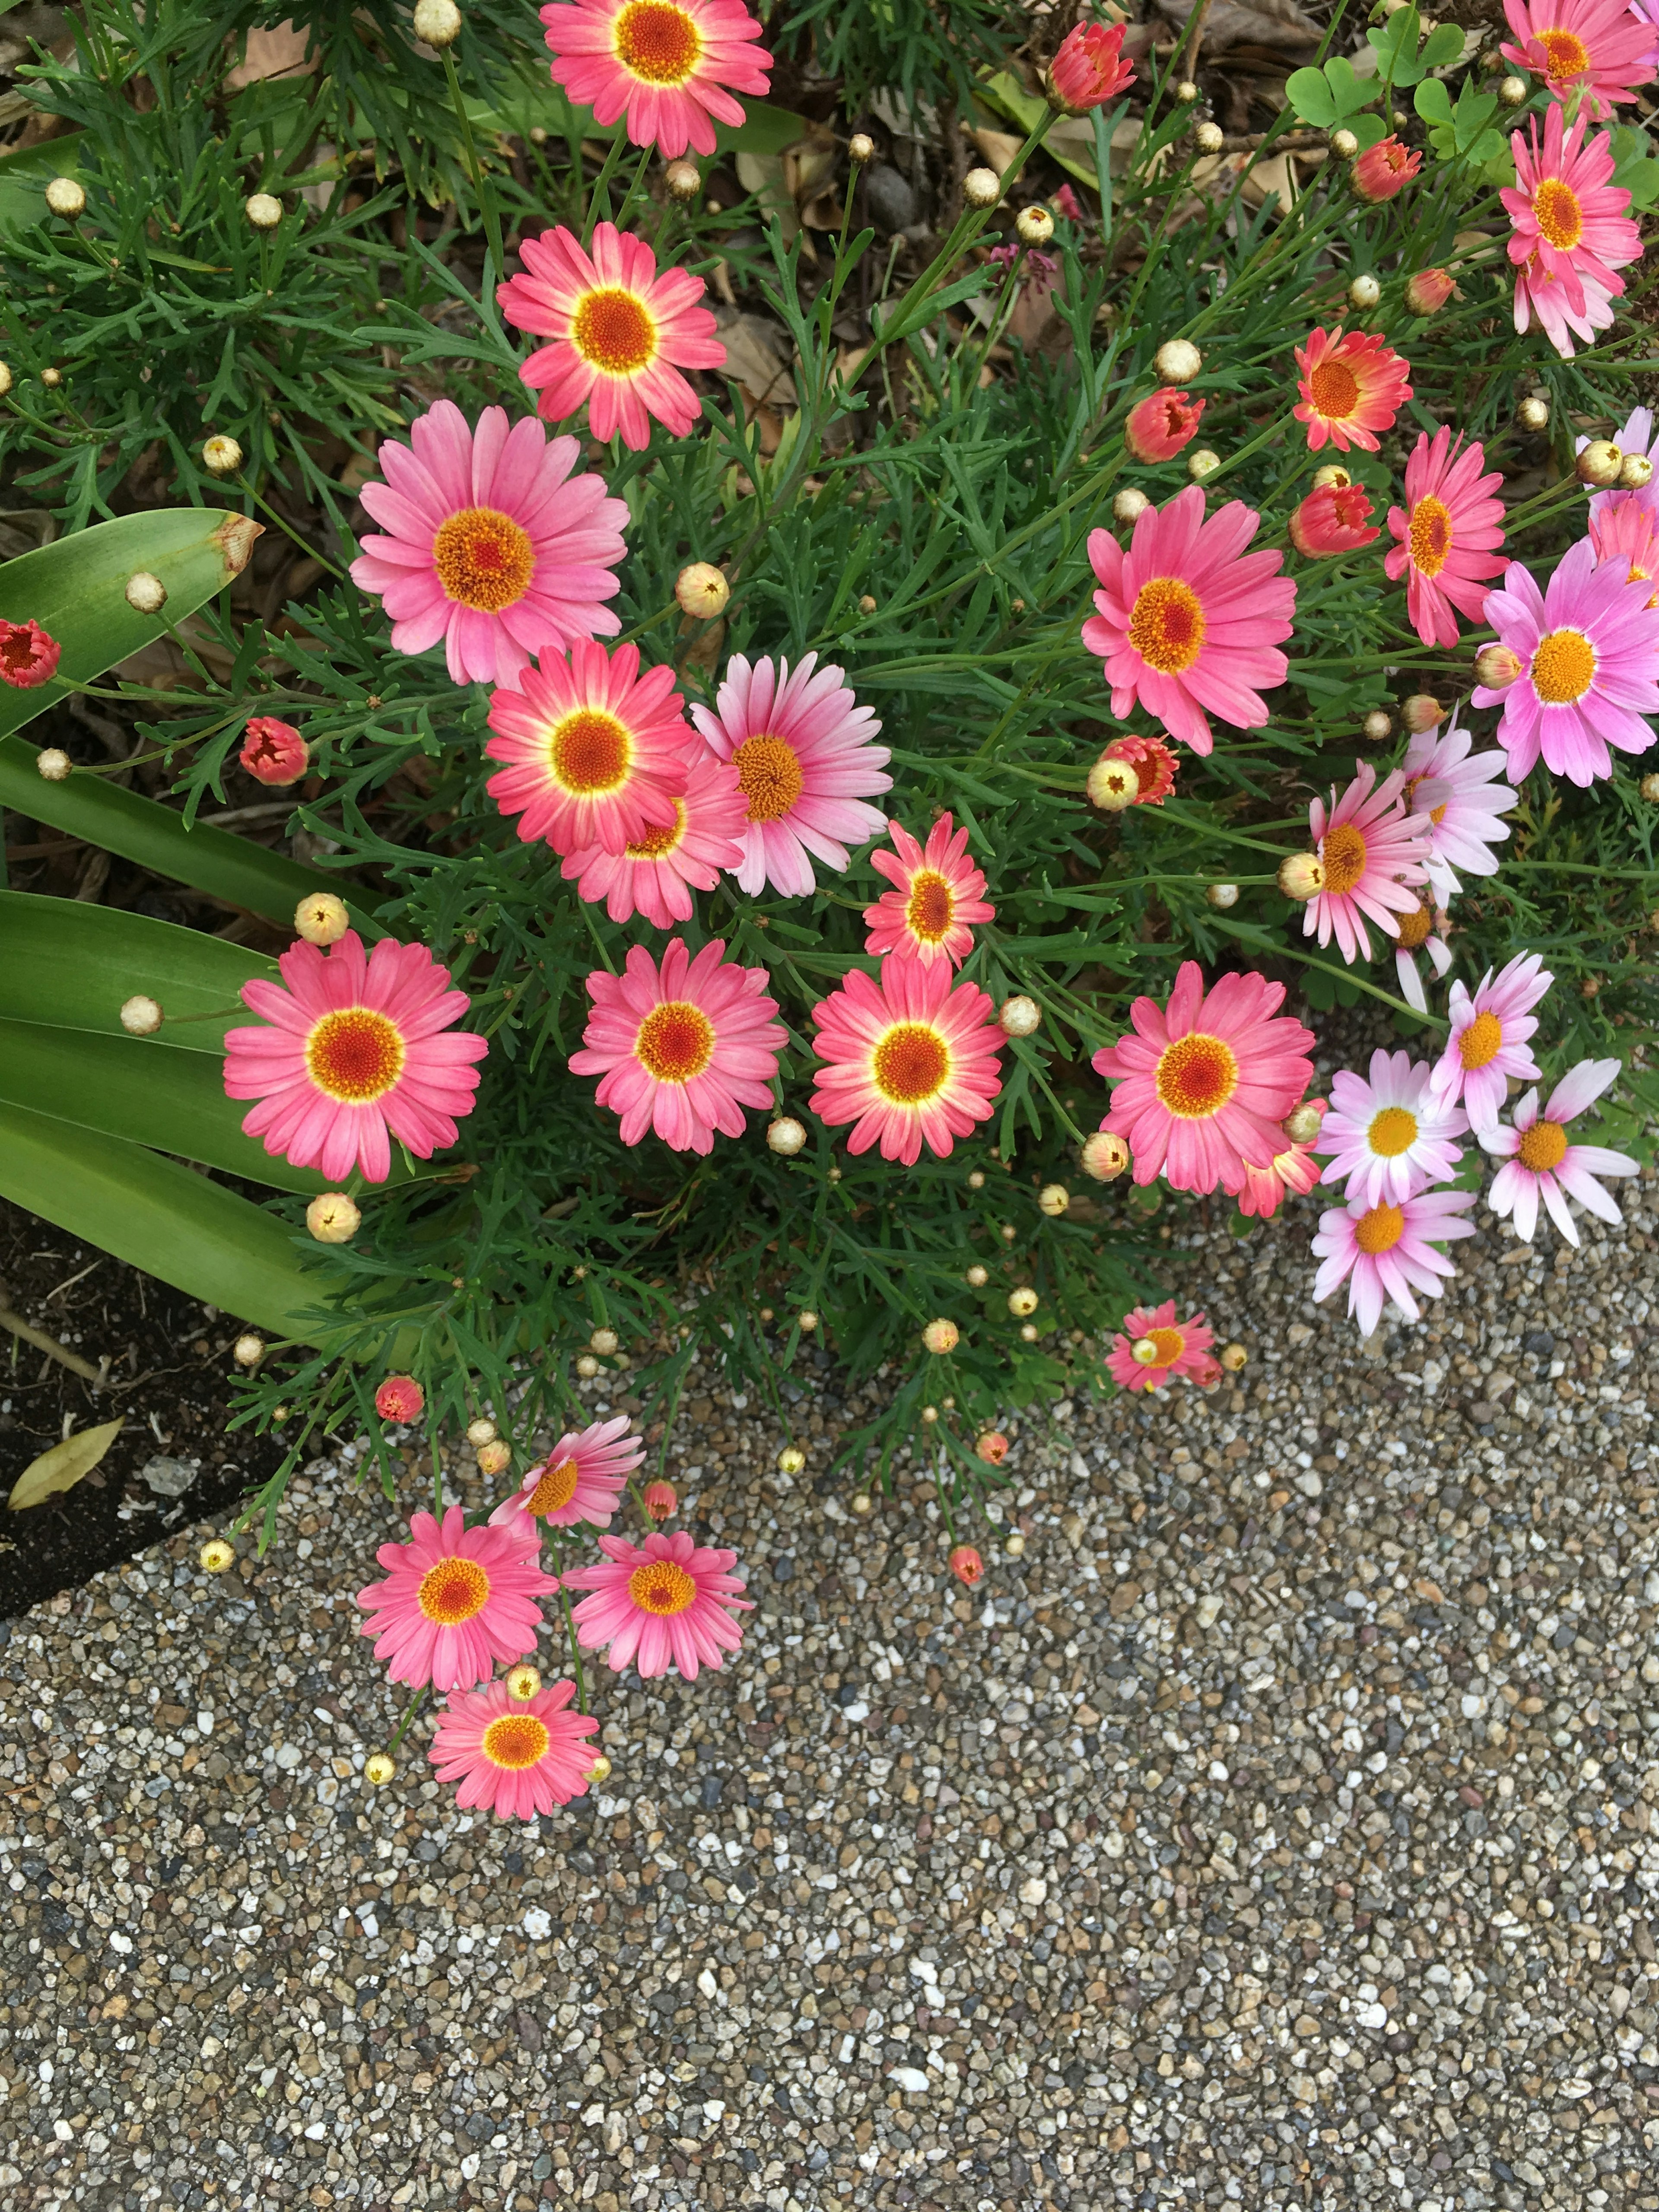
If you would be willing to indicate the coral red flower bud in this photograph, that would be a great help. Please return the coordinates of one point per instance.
(661, 1500)
(992, 1447)
(399, 1398)
(1428, 290)
(1154, 765)
(1383, 169)
(28, 655)
(274, 752)
(1335, 520)
(1089, 69)
(966, 1565)
(1160, 426)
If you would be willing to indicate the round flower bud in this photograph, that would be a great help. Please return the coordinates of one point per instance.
(1303, 1122)
(1365, 292)
(1008, 1232)
(1015, 1546)
(261, 210)
(604, 1341)
(248, 1350)
(321, 918)
(1105, 1157)
(1202, 463)
(600, 1769)
(860, 149)
(992, 1447)
(1534, 414)
(1028, 1333)
(52, 378)
(787, 1136)
(1022, 1301)
(1496, 666)
(221, 455)
(1177, 361)
(966, 1565)
(683, 181)
(978, 1277)
(1421, 712)
(1512, 91)
(661, 1500)
(401, 1399)
(5, 378)
(866, 603)
(702, 590)
(1344, 145)
(1129, 505)
(1209, 137)
(976, 1179)
(145, 593)
(523, 1681)
(273, 752)
(981, 188)
(217, 1557)
(52, 764)
(1649, 788)
(587, 1366)
(791, 1460)
(862, 1503)
(1053, 1199)
(1144, 1352)
(1034, 226)
(1222, 895)
(1233, 1357)
(1113, 784)
(481, 1431)
(140, 1017)
(66, 197)
(930, 1413)
(941, 1336)
(1186, 92)
(1376, 726)
(332, 1219)
(1600, 463)
(806, 1321)
(1635, 472)
(379, 1768)
(437, 23)
(1331, 478)
(1300, 874)
(1590, 987)
(1020, 1016)
(494, 1458)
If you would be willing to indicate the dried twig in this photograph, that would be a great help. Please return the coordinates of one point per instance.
(49, 1344)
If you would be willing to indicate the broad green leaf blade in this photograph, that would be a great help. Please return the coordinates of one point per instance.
(1311, 95)
(1444, 47)
(1432, 101)
(62, 1466)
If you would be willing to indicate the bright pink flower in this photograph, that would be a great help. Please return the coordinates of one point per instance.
(1066, 203)
(1382, 170)
(1353, 384)
(1384, 1253)
(1371, 849)
(656, 872)
(1456, 795)
(1427, 290)
(581, 1478)
(1573, 231)
(400, 1398)
(1162, 424)
(621, 333)
(356, 1047)
(661, 1500)
(938, 896)
(28, 657)
(274, 752)
(494, 545)
(1259, 1190)
(455, 1599)
(1333, 519)
(1175, 1348)
(1602, 49)
(908, 1058)
(659, 1604)
(1187, 620)
(595, 752)
(517, 1756)
(1154, 765)
(1448, 530)
(1488, 1040)
(1627, 529)
(1588, 649)
(1389, 1134)
(1204, 1083)
(684, 1049)
(1540, 1161)
(1089, 68)
(669, 65)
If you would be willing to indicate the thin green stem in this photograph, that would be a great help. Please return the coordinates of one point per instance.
(481, 183)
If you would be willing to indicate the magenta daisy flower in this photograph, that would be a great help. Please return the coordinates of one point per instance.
(1457, 799)
(939, 893)
(1423, 930)
(494, 545)
(1204, 1083)
(355, 1048)
(581, 1478)
(802, 747)
(515, 1756)
(1540, 1161)
(1152, 1346)
(655, 873)
(1259, 1190)
(1187, 620)
(1385, 1253)
(670, 66)
(663, 1603)
(1448, 530)
(683, 1049)
(1627, 529)
(621, 333)
(1571, 231)
(1601, 49)
(1488, 1040)
(1588, 649)
(1390, 1135)
(455, 1599)
(595, 753)
(1370, 849)
(908, 1058)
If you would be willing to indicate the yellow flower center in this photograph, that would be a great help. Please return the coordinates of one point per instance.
(484, 560)
(662, 1587)
(653, 843)
(614, 332)
(1480, 1044)
(1166, 628)
(557, 1487)
(1429, 536)
(1380, 1230)
(453, 1591)
(1392, 1131)
(1342, 850)
(657, 43)
(930, 908)
(1542, 1147)
(1335, 389)
(1568, 54)
(770, 776)
(911, 1065)
(1168, 1344)
(1563, 667)
(355, 1055)
(676, 1041)
(1196, 1076)
(1414, 927)
(590, 753)
(516, 1740)
(1556, 208)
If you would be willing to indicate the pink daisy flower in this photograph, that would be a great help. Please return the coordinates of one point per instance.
(1370, 849)
(939, 895)
(1187, 620)
(1423, 930)
(1571, 231)
(670, 66)
(594, 751)
(454, 1601)
(1153, 1346)
(1488, 1040)
(29, 657)
(1353, 384)
(1204, 1083)
(655, 873)
(1384, 1253)
(1600, 48)
(1588, 649)
(659, 1604)
(1456, 798)
(1448, 530)
(621, 333)
(1634, 435)
(801, 746)
(1259, 1190)
(354, 1048)
(1390, 1135)
(1627, 529)
(908, 1058)
(581, 1478)
(683, 1049)
(517, 1756)
(494, 545)
(1540, 1161)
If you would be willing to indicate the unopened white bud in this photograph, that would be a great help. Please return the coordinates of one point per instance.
(604, 1341)
(1222, 895)
(52, 763)
(1130, 504)
(1105, 1157)
(860, 149)
(1020, 1017)
(437, 23)
(1344, 145)
(1364, 291)
(1034, 226)
(785, 1136)
(481, 1431)
(141, 1015)
(1534, 414)
(981, 188)
(1202, 463)
(321, 918)
(333, 1219)
(683, 181)
(66, 197)
(264, 211)
(221, 455)
(702, 591)
(1209, 137)
(1177, 361)
(146, 594)
(1053, 1199)
(248, 1351)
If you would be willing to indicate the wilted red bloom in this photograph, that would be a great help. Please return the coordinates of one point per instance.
(1380, 170)
(966, 1565)
(1154, 765)
(993, 1446)
(1090, 67)
(399, 1398)
(1160, 426)
(1428, 290)
(28, 655)
(274, 751)
(1334, 520)
(661, 1501)
(1066, 202)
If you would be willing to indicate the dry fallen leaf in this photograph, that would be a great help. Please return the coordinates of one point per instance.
(62, 1466)
(284, 50)
(757, 359)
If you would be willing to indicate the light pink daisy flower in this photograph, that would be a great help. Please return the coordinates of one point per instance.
(1448, 530)
(1187, 620)
(939, 893)
(1588, 649)
(1571, 231)
(595, 753)
(1423, 930)
(581, 1478)
(1634, 435)
(655, 873)
(1384, 1253)
(516, 1756)
(1488, 1040)
(802, 747)
(1204, 1085)
(455, 1599)
(908, 1058)
(683, 1049)
(1626, 528)
(670, 66)
(1456, 795)
(1601, 49)
(1259, 1190)
(1540, 1160)
(1153, 1346)
(621, 333)
(356, 1047)
(659, 1604)
(494, 545)
(1391, 1135)
(1370, 849)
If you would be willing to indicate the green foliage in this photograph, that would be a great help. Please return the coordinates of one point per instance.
(1462, 131)
(1333, 98)
(1400, 59)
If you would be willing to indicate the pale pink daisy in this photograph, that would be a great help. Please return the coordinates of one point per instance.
(939, 893)
(659, 1604)
(1385, 1253)
(1188, 621)
(1601, 49)
(1571, 231)
(1259, 1190)
(1371, 849)
(802, 747)
(1540, 1161)
(495, 543)
(581, 1478)
(908, 1060)
(356, 1048)
(515, 1756)
(683, 1049)
(1457, 797)
(621, 333)
(1390, 1133)
(455, 1599)
(1588, 649)
(1627, 529)
(1634, 435)
(594, 753)
(1152, 1346)
(670, 66)
(1204, 1083)
(1488, 1040)
(655, 873)
(1423, 930)
(1448, 530)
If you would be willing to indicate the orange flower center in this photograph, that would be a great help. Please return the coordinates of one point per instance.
(355, 1055)
(1343, 850)
(557, 1487)
(1169, 1344)
(676, 1041)
(453, 1591)
(613, 330)
(1558, 214)
(484, 560)
(658, 43)
(1568, 54)
(1542, 1147)
(1166, 628)
(661, 1587)
(1380, 1230)
(930, 908)
(1563, 667)
(654, 842)
(1196, 1076)
(516, 1740)
(590, 753)
(1334, 388)
(912, 1064)
(1478, 1045)
(1392, 1131)
(1430, 536)
(1414, 927)
(770, 776)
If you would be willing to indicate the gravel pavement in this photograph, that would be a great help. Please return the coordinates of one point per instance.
(1277, 1829)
